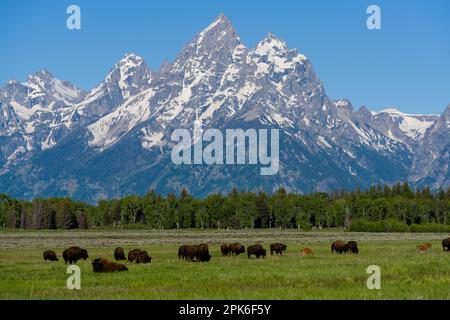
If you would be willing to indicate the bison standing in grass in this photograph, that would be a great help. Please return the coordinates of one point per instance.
(143, 257)
(73, 254)
(446, 244)
(119, 254)
(339, 246)
(256, 250)
(236, 248)
(139, 256)
(278, 248)
(104, 265)
(224, 249)
(352, 247)
(194, 253)
(50, 255)
(203, 253)
(188, 252)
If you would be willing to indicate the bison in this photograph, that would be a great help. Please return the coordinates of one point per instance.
(421, 248)
(139, 256)
(236, 248)
(104, 265)
(224, 249)
(307, 252)
(143, 257)
(278, 248)
(256, 250)
(50, 255)
(339, 246)
(446, 244)
(73, 254)
(352, 247)
(203, 253)
(188, 252)
(119, 254)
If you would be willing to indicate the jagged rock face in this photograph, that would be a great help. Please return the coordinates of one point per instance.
(56, 140)
(432, 158)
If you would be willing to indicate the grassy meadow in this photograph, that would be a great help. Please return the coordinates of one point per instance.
(405, 274)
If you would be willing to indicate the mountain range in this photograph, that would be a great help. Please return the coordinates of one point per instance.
(58, 140)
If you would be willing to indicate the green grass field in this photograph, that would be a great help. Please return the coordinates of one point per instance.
(405, 274)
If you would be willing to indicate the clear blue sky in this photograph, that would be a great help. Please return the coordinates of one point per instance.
(404, 65)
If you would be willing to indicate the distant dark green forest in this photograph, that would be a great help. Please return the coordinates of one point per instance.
(397, 208)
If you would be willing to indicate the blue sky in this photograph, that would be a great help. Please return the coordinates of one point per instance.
(404, 65)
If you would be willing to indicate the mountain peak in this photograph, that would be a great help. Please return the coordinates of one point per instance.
(41, 75)
(216, 42)
(271, 37)
(222, 18)
(221, 21)
(391, 111)
(271, 45)
(131, 56)
(344, 104)
(220, 29)
(446, 114)
(131, 73)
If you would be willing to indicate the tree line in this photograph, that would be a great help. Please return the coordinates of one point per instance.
(356, 210)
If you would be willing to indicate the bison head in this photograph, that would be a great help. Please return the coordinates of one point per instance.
(97, 265)
(84, 254)
(144, 257)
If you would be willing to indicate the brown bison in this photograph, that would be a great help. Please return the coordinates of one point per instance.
(73, 254)
(307, 252)
(50, 255)
(339, 246)
(133, 254)
(236, 248)
(352, 247)
(188, 252)
(278, 248)
(225, 250)
(143, 257)
(139, 256)
(256, 250)
(421, 248)
(119, 254)
(203, 253)
(104, 265)
(446, 244)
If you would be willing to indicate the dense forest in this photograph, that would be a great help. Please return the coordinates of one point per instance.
(380, 208)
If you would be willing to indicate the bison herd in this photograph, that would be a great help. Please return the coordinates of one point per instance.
(200, 253)
(74, 254)
(194, 253)
(341, 247)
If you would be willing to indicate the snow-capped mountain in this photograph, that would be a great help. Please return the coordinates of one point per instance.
(56, 140)
(406, 128)
(431, 161)
(32, 114)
